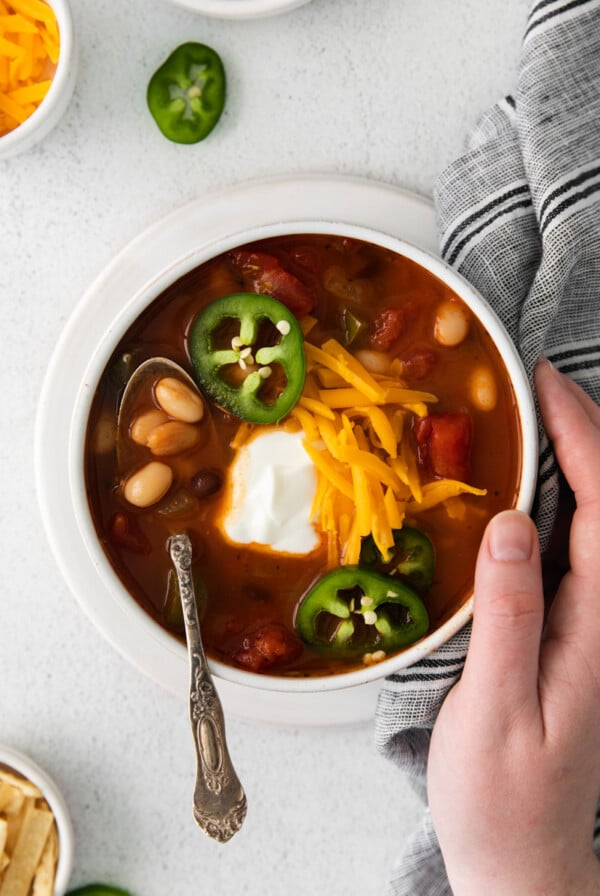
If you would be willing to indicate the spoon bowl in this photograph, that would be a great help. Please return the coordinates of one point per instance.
(153, 369)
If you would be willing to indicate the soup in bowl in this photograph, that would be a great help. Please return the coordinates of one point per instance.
(354, 417)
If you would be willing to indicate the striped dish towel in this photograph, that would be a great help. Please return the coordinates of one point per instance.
(519, 216)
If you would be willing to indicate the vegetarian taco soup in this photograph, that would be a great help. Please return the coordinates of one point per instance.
(348, 430)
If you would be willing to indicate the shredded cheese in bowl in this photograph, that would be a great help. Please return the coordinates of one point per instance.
(355, 425)
(29, 53)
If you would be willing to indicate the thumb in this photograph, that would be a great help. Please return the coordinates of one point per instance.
(503, 657)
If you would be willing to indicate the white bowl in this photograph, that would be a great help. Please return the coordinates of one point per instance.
(26, 767)
(53, 106)
(106, 343)
(211, 217)
(240, 9)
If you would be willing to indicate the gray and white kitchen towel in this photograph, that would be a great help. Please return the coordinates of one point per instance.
(519, 216)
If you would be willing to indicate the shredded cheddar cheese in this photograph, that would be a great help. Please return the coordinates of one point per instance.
(437, 492)
(336, 358)
(29, 50)
(355, 426)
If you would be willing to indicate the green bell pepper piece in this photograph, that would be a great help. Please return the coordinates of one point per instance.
(352, 325)
(352, 610)
(209, 361)
(412, 557)
(186, 95)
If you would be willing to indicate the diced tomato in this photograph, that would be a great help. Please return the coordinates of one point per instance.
(419, 363)
(306, 258)
(268, 647)
(263, 273)
(355, 259)
(444, 444)
(124, 533)
(388, 328)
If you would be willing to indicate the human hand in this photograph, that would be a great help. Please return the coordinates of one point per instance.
(514, 762)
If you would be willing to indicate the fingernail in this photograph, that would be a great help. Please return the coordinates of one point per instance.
(543, 361)
(510, 536)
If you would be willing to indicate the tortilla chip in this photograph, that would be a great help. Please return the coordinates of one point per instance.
(43, 881)
(11, 799)
(31, 840)
(15, 820)
(23, 784)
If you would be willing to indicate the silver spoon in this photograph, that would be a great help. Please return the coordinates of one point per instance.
(219, 799)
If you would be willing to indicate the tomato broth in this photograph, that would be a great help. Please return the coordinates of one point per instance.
(392, 316)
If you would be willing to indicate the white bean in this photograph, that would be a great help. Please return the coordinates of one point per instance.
(148, 484)
(105, 434)
(143, 425)
(451, 323)
(178, 400)
(483, 389)
(173, 437)
(375, 362)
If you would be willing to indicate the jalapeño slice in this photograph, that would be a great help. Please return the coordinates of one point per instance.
(234, 370)
(186, 95)
(352, 610)
(97, 890)
(412, 557)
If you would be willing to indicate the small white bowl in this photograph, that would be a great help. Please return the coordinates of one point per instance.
(53, 106)
(240, 9)
(105, 346)
(26, 767)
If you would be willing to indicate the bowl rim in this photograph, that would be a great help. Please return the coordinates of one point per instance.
(152, 289)
(49, 111)
(24, 765)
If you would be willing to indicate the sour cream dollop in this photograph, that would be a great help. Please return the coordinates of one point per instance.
(269, 494)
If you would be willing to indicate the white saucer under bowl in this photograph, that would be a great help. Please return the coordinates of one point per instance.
(160, 249)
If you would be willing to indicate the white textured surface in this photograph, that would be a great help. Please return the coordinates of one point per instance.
(374, 88)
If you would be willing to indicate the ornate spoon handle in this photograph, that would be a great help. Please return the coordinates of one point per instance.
(219, 799)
